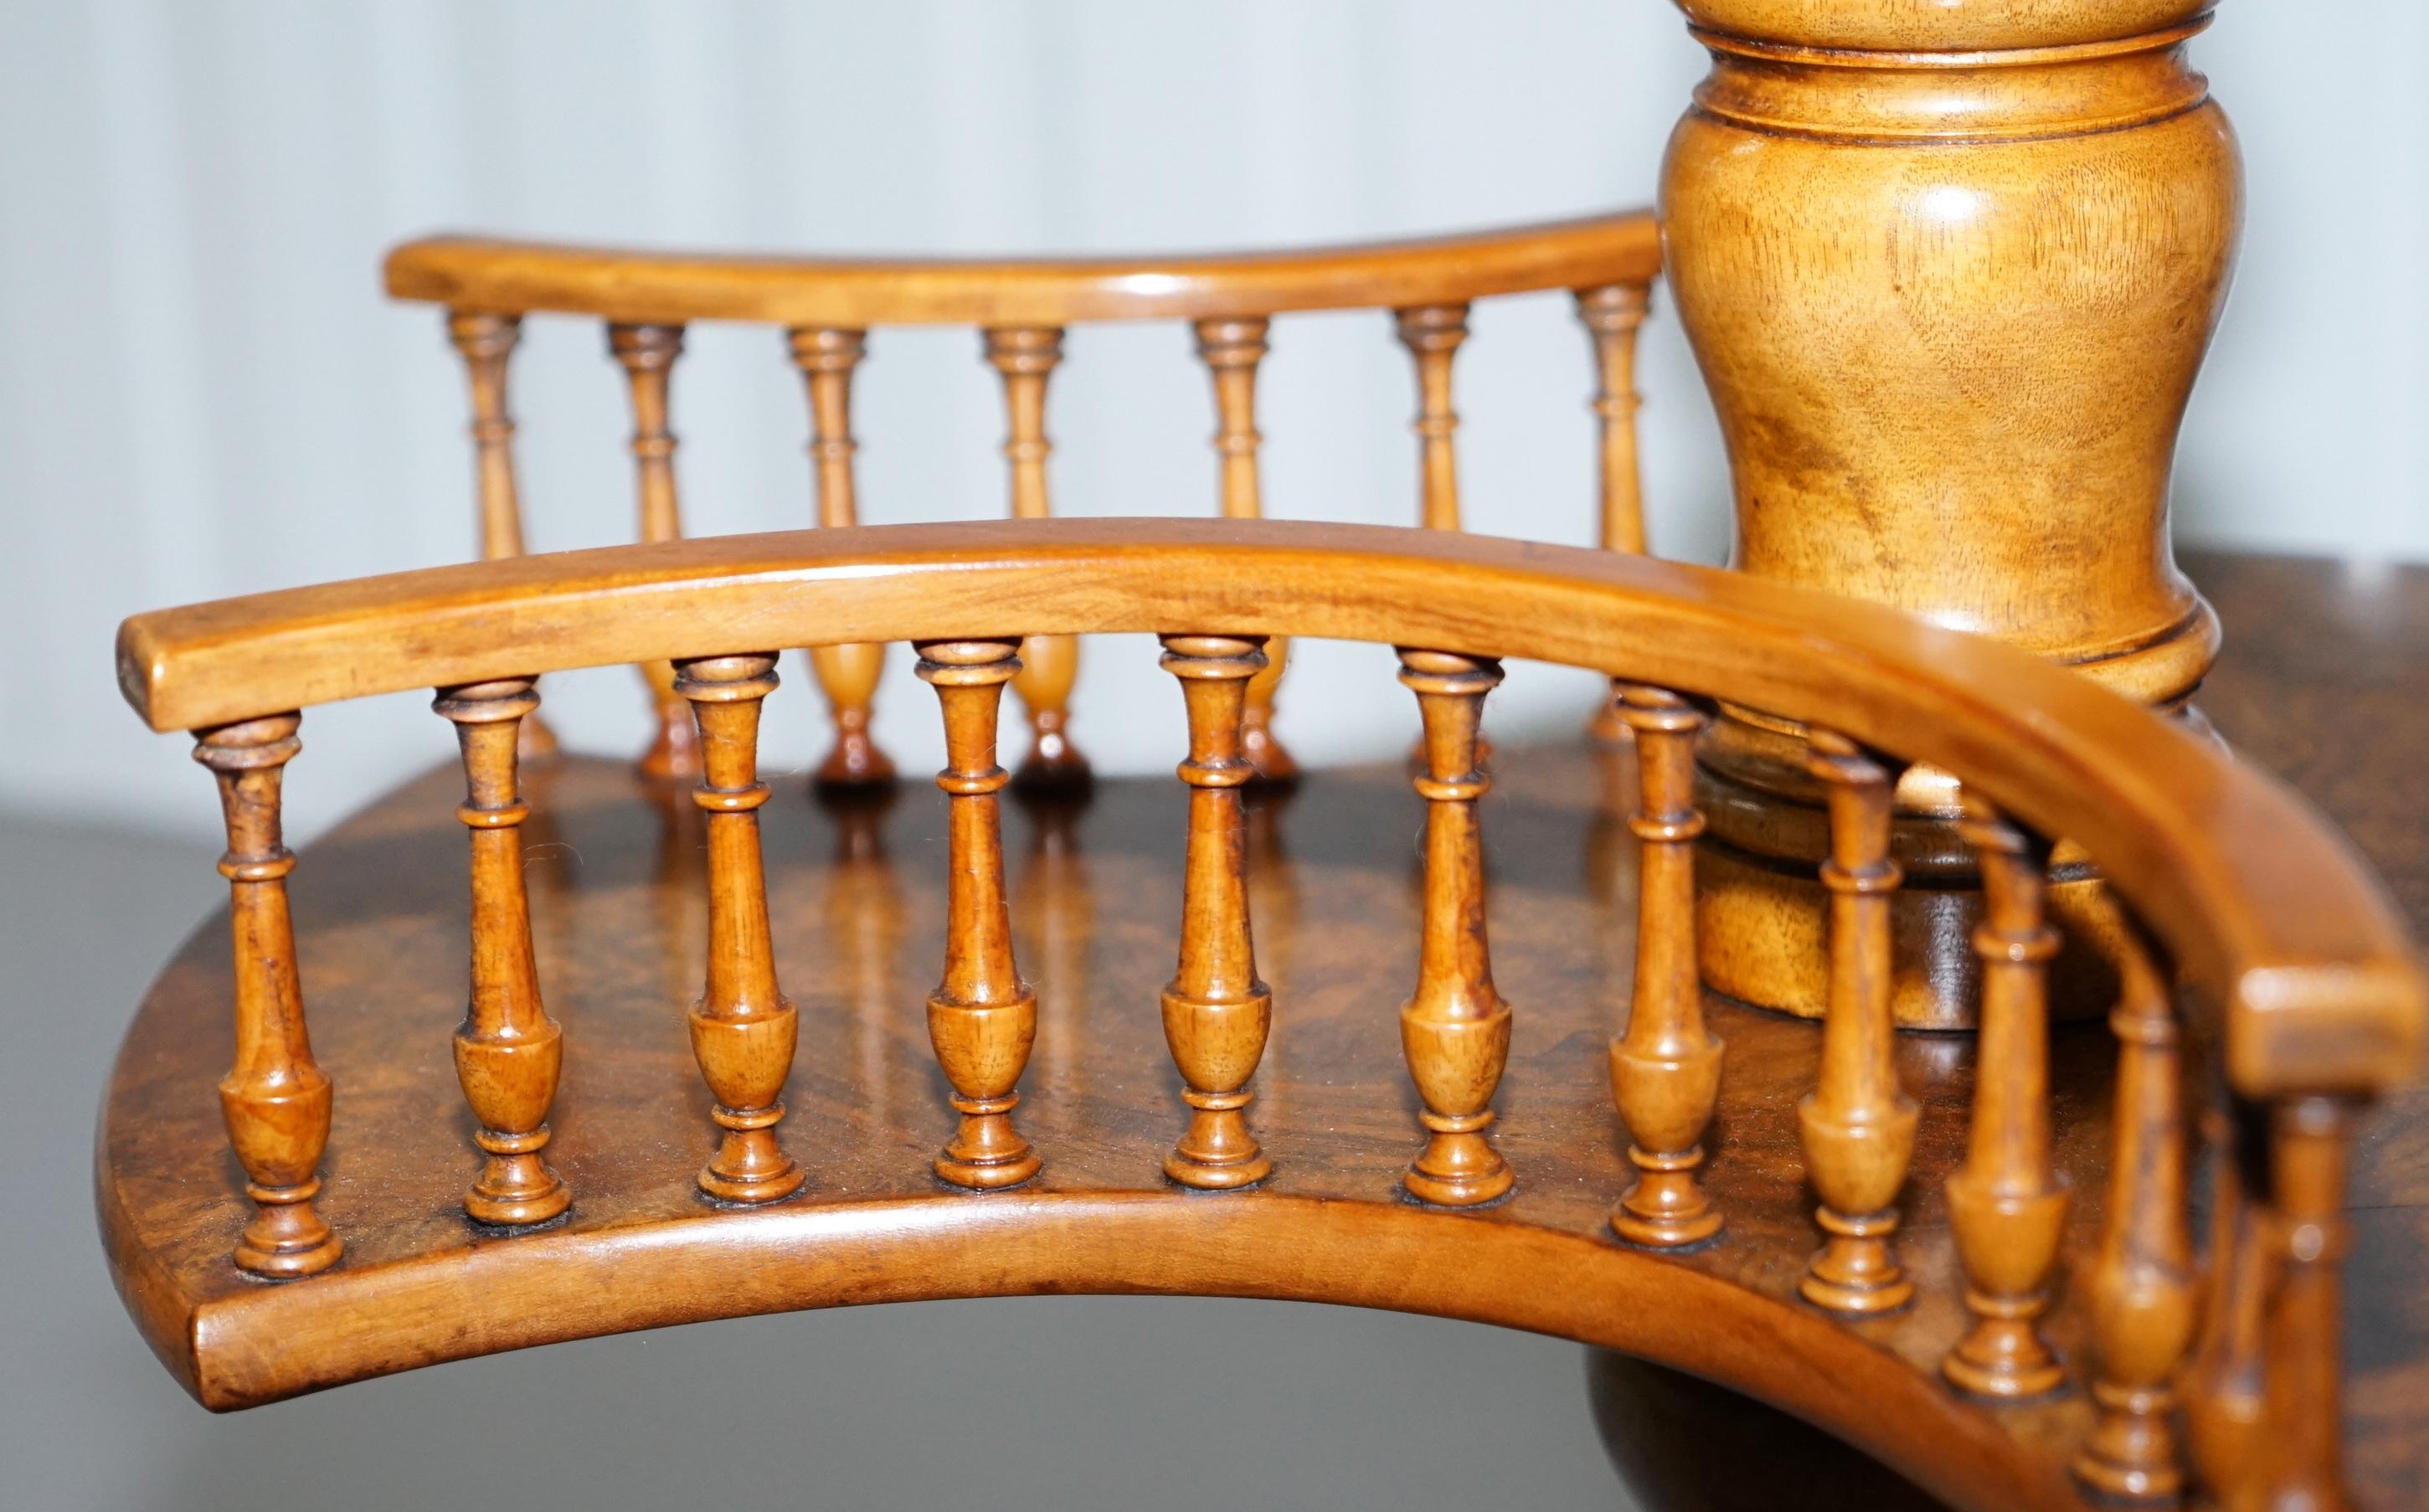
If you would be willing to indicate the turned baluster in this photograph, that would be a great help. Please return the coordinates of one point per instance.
(847, 674)
(2224, 1385)
(1432, 334)
(2309, 1145)
(1231, 348)
(2142, 1294)
(275, 1100)
(1612, 315)
(648, 353)
(742, 1027)
(1665, 1071)
(508, 1051)
(982, 1018)
(1859, 1126)
(1455, 1031)
(1025, 355)
(1216, 1013)
(2006, 1204)
(485, 342)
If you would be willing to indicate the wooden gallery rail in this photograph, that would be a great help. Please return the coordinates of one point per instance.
(826, 307)
(2274, 973)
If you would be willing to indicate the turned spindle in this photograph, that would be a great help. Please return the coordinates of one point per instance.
(982, 1018)
(1455, 1029)
(648, 353)
(2224, 1385)
(1231, 347)
(1665, 1071)
(2309, 1147)
(1859, 1126)
(2006, 1204)
(275, 1100)
(1612, 315)
(1432, 334)
(2142, 1292)
(485, 342)
(509, 1050)
(1216, 1013)
(1026, 356)
(742, 1027)
(847, 674)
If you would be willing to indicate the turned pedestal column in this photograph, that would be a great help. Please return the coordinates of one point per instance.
(1949, 269)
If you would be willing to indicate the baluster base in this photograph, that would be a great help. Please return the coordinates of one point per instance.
(1856, 1271)
(2131, 1455)
(987, 1153)
(2003, 1357)
(516, 1188)
(1665, 1209)
(287, 1239)
(854, 762)
(1216, 1153)
(1221, 1041)
(750, 1167)
(1458, 1167)
(673, 756)
(1053, 766)
(1275, 766)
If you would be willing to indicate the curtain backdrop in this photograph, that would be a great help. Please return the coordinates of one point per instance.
(203, 391)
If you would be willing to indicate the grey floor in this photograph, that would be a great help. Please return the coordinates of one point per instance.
(1051, 1401)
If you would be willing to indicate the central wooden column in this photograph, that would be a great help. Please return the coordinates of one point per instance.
(1950, 271)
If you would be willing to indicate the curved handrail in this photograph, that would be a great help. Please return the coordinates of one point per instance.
(511, 277)
(2261, 904)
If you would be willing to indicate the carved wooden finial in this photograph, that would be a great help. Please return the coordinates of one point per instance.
(1432, 334)
(1231, 347)
(648, 353)
(1216, 1013)
(1665, 1071)
(275, 1099)
(485, 342)
(847, 674)
(1455, 1029)
(982, 1018)
(508, 1051)
(2142, 1279)
(1612, 315)
(2006, 1206)
(1858, 1125)
(1026, 356)
(742, 1027)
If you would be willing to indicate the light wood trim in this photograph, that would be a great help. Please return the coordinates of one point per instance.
(2256, 899)
(511, 277)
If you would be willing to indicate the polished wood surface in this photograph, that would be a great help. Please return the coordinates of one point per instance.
(1020, 308)
(509, 1052)
(744, 1029)
(1455, 1027)
(1949, 271)
(275, 1099)
(2260, 906)
(474, 273)
(637, 1249)
(982, 1018)
(1216, 1011)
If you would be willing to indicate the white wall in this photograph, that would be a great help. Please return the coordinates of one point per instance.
(203, 392)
